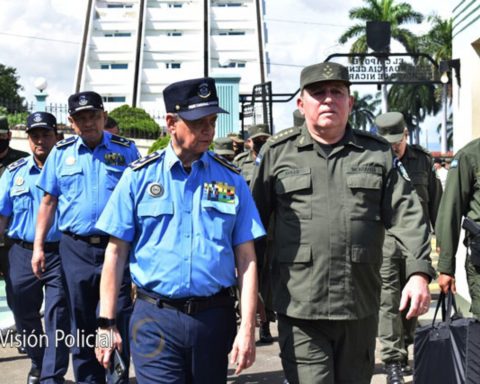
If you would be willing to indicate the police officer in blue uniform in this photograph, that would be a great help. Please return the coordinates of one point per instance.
(19, 202)
(188, 220)
(79, 177)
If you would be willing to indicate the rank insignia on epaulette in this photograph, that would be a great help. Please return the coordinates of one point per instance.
(137, 164)
(398, 165)
(120, 140)
(225, 162)
(17, 164)
(65, 142)
(218, 191)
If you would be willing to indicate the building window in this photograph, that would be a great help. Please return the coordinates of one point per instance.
(175, 5)
(174, 33)
(113, 5)
(117, 34)
(114, 66)
(226, 4)
(114, 99)
(231, 33)
(233, 64)
(173, 65)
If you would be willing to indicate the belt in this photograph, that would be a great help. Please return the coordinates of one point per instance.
(92, 240)
(47, 247)
(189, 305)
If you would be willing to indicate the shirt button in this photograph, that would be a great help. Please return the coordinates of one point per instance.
(187, 235)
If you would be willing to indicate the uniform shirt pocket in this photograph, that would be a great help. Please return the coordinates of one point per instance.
(220, 218)
(295, 270)
(294, 189)
(365, 195)
(113, 176)
(155, 213)
(21, 198)
(70, 180)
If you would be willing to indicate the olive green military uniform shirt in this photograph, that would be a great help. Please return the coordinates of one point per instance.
(246, 163)
(419, 165)
(12, 156)
(460, 198)
(331, 213)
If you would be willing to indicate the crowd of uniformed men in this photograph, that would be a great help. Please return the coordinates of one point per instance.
(322, 227)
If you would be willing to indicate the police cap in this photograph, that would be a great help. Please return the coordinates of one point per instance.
(84, 101)
(321, 72)
(41, 120)
(390, 126)
(223, 146)
(258, 130)
(192, 99)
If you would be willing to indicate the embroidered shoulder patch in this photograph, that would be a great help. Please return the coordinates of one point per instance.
(17, 164)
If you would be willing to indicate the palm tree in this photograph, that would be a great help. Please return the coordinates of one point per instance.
(382, 10)
(363, 111)
(438, 41)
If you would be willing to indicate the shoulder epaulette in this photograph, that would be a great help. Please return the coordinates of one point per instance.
(17, 164)
(370, 135)
(140, 163)
(418, 147)
(283, 136)
(225, 162)
(120, 140)
(240, 156)
(67, 141)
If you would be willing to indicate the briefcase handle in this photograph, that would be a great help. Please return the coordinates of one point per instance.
(448, 300)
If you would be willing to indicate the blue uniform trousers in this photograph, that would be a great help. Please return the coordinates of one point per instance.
(169, 346)
(82, 263)
(48, 354)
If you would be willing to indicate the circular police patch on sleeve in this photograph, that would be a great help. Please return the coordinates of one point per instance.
(155, 190)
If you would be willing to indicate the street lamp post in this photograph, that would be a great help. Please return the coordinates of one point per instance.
(444, 68)
(40, 97)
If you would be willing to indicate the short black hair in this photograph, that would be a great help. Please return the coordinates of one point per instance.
(111, 122)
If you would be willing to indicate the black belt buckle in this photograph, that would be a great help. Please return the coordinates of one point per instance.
(191, 307)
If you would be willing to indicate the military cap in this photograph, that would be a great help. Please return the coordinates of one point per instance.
(84, 101)
(4, 128)
(236, 137)
(41, 120)
(223, 146)
(192, 99)
(258, 130)
(326, 71)
(298, 118)
(390, 126)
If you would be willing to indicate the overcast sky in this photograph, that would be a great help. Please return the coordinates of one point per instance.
(42, 38)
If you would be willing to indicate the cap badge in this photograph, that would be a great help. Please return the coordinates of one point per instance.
(19, 181)
(155, 190)
(82, 101)
(204, 91)
(327, 71)
(70, 160)
(37, 118)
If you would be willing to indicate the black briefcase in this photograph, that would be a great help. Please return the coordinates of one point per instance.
(447, 352)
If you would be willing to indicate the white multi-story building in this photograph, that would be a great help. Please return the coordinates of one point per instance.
(132, 49)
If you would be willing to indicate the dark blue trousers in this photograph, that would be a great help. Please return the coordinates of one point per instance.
(169, 346)
(82, 263)
(48, 354)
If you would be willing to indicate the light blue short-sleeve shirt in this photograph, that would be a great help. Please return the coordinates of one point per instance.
(20, 199)
(83, 179)
(182, 226)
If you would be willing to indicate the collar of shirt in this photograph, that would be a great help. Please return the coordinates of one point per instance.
(171, 158)
(32, 165)
(105, 142)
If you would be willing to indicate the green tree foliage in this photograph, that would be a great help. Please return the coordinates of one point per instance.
(9, 88)
(438, 41)
(160, 143)
(135, 122)
(382, 10)
(363, 111)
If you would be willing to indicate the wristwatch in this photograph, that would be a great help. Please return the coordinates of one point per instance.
(104, 323)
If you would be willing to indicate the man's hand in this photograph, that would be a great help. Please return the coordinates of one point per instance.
(107, 340)
(38, 262)
(243, 350)
(447, 283)
(416, 291)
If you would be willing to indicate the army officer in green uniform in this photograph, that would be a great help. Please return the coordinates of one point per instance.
(334, 191)
(394, 330)
(461, 198)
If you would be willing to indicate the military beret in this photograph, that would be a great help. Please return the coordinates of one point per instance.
(326, 71)
(84, 101)
(258, 130)
(41, 120)
(4, 128)
(192, 99)
(390, 126)
(223, 146)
